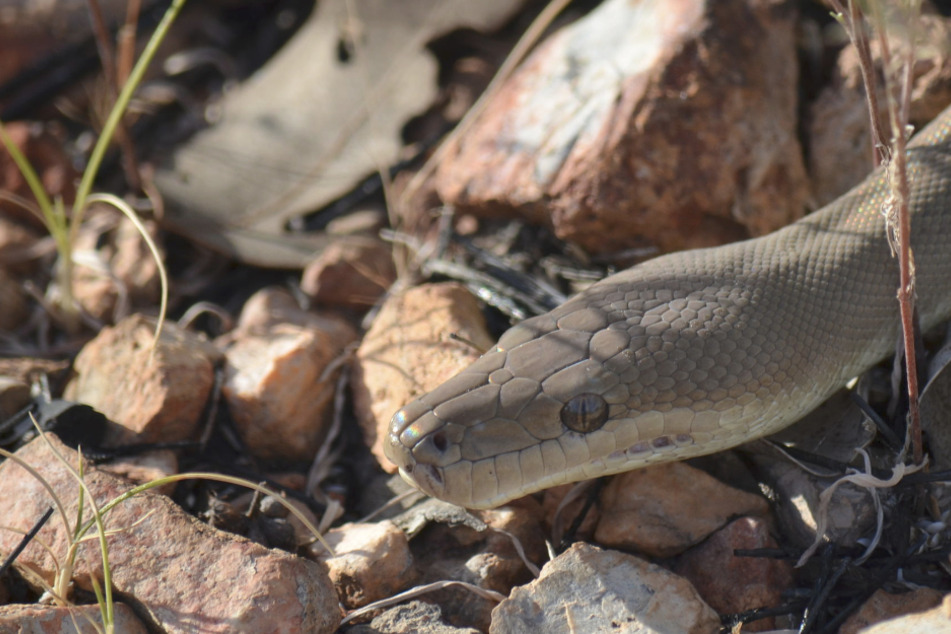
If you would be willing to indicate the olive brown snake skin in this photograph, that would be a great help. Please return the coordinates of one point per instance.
(687, 354)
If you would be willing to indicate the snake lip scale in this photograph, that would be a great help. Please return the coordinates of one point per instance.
(686, 354)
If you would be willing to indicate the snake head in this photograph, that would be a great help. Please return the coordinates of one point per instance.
(551, 404)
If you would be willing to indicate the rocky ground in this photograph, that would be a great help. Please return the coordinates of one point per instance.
(630, 129)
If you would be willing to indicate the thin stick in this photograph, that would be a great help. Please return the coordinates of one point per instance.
(897, 213)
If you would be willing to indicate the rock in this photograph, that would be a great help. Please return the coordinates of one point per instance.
(278, 387)
(407, 352)
(181, 573)
(159, 395)
(17, 374)
(273, 306)
(14, 396)
(416, 616)
(851, 513)
(673, 123)
(276, 381)
(371, 561)
(46, 619)
(486, 558)
(115, 269)
(934, 621)
(841, 147)
(587, 589)
(146, 468)
(730, 583)
(662, 510)
(350, 273)
(553, 498)
(884, 605)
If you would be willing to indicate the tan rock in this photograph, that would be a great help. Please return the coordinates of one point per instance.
(182, 573)
(731, 584)
(350, 273)
(670, 122)
(934, 621)
(590, 590)
(662, 510)
(277, 383)
(883, 605)
(840, 145)
(159, 395)
(46, 619)
(371, 561)
(408, 352)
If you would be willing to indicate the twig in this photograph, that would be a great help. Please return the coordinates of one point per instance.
(898, 181)
(898, 221)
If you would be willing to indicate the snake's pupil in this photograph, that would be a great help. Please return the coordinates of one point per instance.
(584, 413)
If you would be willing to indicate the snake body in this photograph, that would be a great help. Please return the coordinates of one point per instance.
(686, 354)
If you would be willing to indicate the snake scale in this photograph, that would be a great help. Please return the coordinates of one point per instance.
(686, 354)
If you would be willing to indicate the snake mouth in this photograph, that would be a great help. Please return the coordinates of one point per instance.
(424, 477)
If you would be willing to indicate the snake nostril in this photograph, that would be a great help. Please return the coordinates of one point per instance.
(440, 442)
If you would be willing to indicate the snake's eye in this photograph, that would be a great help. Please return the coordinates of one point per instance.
(584, 413)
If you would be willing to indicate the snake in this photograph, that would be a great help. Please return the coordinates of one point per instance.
(687, 354)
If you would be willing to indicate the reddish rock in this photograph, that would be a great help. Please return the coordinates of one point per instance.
(670, 122)
(371, 561)
(185, 575)
(158, 394)
(350, 273)
(280, 376)
(731, 584)
(662, 510)
(146, 468)
(408, 352)
(47, 619)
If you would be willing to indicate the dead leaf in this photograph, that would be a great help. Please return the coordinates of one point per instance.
(326, 111)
